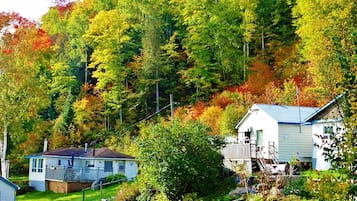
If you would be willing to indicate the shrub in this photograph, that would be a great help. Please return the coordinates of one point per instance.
(328, 187)
(128, 192)
(115, 177)
(296, 186)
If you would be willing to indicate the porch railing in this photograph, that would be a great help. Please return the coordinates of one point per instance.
(237, 151)
(75, 174)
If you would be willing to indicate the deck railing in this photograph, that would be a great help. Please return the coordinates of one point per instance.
(71, 174)
(237, 151)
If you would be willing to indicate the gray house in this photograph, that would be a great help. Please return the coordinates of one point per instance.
(7, 190)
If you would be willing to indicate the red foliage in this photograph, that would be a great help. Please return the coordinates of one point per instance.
(243, 89)
(64, 6)
(7, 51)
(42, 41)
(197, 109)
(221, 101)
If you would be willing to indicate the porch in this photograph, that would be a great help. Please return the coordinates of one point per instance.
(76, 174)
(255, 157)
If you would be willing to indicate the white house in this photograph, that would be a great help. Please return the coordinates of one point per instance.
(7, 190)
(326, 121)
(70, 169)
(276, 133)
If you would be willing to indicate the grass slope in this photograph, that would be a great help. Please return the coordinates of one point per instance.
(90, 195)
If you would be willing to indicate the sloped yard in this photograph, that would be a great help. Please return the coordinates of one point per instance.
(90, 195)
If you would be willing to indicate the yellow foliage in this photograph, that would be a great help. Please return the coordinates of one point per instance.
(211, 117)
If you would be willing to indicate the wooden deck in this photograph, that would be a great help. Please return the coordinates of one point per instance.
(238, 151)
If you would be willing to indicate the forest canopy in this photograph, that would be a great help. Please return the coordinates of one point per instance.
(95, 69)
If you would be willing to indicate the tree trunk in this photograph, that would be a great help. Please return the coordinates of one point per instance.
(157, 90)
(4, 167)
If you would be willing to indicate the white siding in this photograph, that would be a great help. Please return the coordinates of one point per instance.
(131, 169)
(318, 158)
(294, 142)
(259, 120)
(37, 179)
(7, 193)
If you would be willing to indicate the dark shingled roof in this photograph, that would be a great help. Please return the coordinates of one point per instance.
(80, 152)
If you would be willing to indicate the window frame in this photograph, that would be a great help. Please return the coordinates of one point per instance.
(121, 166)
(108, 166)
(40, 165)
(34, 165)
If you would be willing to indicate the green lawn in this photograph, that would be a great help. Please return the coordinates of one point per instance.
(19, 178)
(90, 195)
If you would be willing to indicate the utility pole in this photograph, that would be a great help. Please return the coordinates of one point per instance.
(172, 107)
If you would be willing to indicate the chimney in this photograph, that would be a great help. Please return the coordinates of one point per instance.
(85, 147)
(45, 145)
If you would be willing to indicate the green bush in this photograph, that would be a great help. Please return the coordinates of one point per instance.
(115, 177)
(328, 187)
(297, 186)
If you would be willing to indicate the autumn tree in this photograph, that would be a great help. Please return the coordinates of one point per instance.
(23, 66)
(318, 23)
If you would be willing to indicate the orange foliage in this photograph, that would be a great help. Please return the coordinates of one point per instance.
(221, 101)
(42, 40)
(58, 140)
(271, 95)
(211, 118)
(31, 144)
(7, 51)
(261, 74)
(190, 113)
(197, 109)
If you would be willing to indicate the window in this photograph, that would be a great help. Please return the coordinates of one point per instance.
(88, 166)
(37, 165)
(40, 165)
(121, 166)
(108, 166)
(34, 165)
(328, 129)
(259, 137)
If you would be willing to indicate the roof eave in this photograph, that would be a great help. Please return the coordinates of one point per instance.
(310, 117)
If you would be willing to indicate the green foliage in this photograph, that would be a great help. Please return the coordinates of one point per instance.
(328, 187)
(128, 192)
(180, 158)
(107, 64)
(228, 120)
(297, 186)
(115, 177)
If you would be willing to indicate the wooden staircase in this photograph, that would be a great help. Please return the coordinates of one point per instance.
(265, 164)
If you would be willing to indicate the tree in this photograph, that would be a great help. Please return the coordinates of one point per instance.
(212, 41)
(180, 158)
(318, 23)
(23, 65)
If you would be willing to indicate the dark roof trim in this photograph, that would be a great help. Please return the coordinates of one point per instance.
(14, 186)
(97, 153)
(333, 101)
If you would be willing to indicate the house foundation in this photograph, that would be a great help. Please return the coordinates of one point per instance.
(67, 187)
